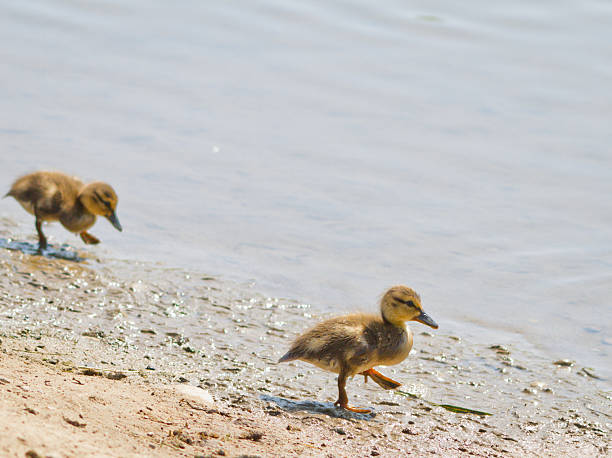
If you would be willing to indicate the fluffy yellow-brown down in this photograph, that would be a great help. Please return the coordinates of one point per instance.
(354, 344)
(55, 196)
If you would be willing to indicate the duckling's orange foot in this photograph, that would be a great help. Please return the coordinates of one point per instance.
(88, 238)
(352, 409)
(381, 380)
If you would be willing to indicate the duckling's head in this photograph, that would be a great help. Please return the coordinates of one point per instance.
(401, 304)
(101, 199)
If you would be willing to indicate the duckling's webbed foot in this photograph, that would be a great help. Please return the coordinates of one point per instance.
(352, 409)
(343, 398)
(381, 380)
(88, 238)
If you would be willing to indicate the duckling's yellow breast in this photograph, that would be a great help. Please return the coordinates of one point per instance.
(394, 347)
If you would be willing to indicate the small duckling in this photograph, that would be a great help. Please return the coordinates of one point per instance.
(354, 344)
(54, 196)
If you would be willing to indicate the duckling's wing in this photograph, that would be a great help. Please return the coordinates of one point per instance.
(355, 351)
(39, 192)
(50, 204)
(331, 344)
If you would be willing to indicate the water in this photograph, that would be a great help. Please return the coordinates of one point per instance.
(328, 150)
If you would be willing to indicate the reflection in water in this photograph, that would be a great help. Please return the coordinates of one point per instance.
(326, 408)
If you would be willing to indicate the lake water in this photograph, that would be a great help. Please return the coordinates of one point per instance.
(328, 150)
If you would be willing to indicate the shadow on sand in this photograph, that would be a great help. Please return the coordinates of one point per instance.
(326, 408)
(65, 252)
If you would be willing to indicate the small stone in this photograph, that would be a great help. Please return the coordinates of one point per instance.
(253, 436)
(273, 412)
(94, 334)
(91, 372)
(340, 431)
(389, 403)
(32, 454)
(220, 452)
(589, 373)
(564, 363)
(115, 376)
(76, 423)
(500, 349)
(194, 393)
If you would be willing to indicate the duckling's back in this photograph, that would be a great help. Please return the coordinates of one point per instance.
(45, 193)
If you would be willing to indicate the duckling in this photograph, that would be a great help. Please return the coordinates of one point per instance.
(354, 344)
(54, 196)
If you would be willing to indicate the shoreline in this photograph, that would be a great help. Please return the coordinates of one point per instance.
(164, 327)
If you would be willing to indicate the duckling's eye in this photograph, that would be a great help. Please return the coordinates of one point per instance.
(102, 201)
(409, 303)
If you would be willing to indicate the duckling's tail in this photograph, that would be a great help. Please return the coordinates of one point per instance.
(381, 380)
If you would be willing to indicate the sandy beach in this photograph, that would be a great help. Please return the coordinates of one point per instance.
(92, 353)
(52, 409)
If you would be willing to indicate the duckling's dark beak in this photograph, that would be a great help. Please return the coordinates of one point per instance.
(115, 221)
(426, 319)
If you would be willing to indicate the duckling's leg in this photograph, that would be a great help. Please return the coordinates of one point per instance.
(343, 398)
(88, 238)
(42, 240)
(381, 380)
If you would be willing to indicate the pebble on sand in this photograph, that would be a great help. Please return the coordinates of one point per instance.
(193, 393)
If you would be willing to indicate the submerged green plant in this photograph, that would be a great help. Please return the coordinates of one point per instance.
(449, 407)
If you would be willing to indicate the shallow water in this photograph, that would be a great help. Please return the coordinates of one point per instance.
(329, 150)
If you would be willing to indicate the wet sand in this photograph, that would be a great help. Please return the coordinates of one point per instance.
(63, 318)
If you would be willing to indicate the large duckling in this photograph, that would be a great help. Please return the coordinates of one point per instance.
(54, 196)
(354, 344)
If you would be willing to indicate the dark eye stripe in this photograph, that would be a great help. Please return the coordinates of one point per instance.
(409, 303)
(99, 197)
